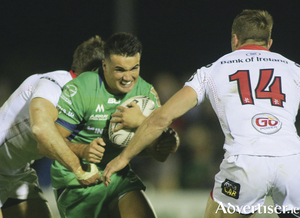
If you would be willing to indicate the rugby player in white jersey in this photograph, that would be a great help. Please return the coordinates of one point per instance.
(26, 118)
(255, 94)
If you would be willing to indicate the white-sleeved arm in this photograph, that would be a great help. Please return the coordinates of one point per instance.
(198, 83)
(50, 86)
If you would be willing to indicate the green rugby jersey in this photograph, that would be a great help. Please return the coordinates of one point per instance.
(85, 108)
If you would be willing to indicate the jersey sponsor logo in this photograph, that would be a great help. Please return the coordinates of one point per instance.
(100, 108)
(258, 59)
(96, 130)
(60, 109)
(252, 59)
(253, 54)
(231, 189)
(99, 117)
(66, 99)
(266, 123)
(113, 101)
(235, 61)
(69, 113)
(70, 90)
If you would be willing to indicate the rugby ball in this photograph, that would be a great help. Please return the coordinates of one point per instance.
(123, 136)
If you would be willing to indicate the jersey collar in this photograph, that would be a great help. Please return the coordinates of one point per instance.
(253, 47)
(73, 74)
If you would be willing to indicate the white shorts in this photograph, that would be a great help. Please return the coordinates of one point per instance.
(22, 186)
(244, 181)
(17, 179)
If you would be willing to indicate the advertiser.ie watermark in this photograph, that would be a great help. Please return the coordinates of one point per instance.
(261, 209)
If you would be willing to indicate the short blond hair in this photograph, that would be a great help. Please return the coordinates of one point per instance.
(253, 25)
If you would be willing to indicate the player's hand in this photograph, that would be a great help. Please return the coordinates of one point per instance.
(88, 175)
(129, 118)
(94, 152)
(115, 165)
(169, 142)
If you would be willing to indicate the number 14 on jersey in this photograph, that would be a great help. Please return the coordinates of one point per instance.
(265, 76)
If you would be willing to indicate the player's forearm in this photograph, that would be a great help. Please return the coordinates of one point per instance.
(49, 141)
(52, 145)
(146, 134)
(153, 126)
(77, 148)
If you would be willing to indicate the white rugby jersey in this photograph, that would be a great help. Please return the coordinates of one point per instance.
(18, 146)
(255, 94)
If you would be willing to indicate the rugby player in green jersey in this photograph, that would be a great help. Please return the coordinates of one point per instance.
(86, 107)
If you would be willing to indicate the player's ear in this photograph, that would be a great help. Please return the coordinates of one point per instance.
(270, 42)
(234, 42)
(103, 65)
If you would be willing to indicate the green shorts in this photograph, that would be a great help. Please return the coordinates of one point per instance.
(93, 202)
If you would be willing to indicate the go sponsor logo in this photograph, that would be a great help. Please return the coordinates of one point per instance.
(266, 123)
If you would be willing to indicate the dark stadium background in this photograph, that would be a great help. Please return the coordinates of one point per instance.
(178, 36)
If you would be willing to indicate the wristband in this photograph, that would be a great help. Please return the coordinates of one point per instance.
(87, 174)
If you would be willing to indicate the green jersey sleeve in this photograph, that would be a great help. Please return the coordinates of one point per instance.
(145, 88)
(70, 106)
(154, 97)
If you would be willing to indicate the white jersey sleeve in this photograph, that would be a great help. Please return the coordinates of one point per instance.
(198, 82)
(17, 143)
(50, 86)
(255, 94)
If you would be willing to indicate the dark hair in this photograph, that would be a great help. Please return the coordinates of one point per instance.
(124, 44)
(254, 25)
(88, 55)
